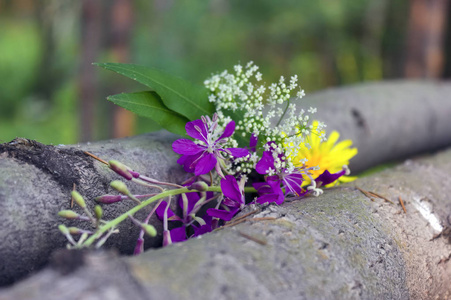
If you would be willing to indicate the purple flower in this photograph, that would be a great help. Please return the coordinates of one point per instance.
(233, 199)
(175, 235)
(271, 191)
(201, 157)
(253, 142)
(189, 205)
(326, 177)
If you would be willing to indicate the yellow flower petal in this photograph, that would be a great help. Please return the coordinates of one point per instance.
(328, 155)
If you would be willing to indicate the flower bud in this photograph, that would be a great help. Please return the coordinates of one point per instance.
(108, 199)
(120, 169)
(78, 199)
(149, 229)
(68, 214)
(134, 174)
(76, 230)
(199, 185)
(120, 187)
(139, 248)
(98, 212)
(63, 229)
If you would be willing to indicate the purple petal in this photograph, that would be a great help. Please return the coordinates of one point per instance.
(266, 162)
(204, 228)
(262, 188)
(178, 234)
(293, 183)
(222, 214)
(192, 130)
(268, 198)
(188, 147)
(231, 190)
(171, 215)
(205, 164)
(201, 230)
(238, 152)
(253, 142)
(189, 162)
(326, 178)
(270, 190)
(228, 130)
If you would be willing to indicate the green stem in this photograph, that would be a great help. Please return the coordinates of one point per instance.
(143, 204)
(284, 112)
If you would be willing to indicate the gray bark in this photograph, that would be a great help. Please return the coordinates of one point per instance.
(36, 182)
(386, 121)
(340, 245)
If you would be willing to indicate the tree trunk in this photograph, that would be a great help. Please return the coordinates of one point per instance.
(340, 237)
(341, 245)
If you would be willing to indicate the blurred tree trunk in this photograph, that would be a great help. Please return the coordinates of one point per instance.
(121, 24)
(425, 57)
(91, 33)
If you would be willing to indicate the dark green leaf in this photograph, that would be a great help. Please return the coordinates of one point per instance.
(149, 104)
(179, 95)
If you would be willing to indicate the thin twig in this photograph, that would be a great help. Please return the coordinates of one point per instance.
(233, 223)
(254, 239)
(402, 204)
(246, 215)
(380, 196)
(96, 157)
(365, 193)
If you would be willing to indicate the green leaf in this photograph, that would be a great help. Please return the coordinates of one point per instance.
(149, 104)
(179, 95)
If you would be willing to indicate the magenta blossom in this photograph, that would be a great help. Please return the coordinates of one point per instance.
(233, 199)
(202, 156)
(326, 177)
(271, 190)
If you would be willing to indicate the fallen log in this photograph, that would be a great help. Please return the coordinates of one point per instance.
(341, 245)
(393, 120)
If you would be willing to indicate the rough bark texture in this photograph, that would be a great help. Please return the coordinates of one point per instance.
(386, 121)
(36, 182)
(341, 245)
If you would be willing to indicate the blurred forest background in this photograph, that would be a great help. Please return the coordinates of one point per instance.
(49, 90)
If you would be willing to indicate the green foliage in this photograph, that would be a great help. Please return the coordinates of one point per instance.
(328, 43)
(177, 94)
(20, 51)
(149, 104)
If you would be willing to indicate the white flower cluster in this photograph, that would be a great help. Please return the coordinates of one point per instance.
(264, 111)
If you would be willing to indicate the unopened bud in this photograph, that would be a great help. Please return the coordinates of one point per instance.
(199, 185)
(134, 174)
(68, 214)
(149, 229)
(120, 187)
(98, 212)
(63, 229)
(78, 199)
(76, 230)
(139, 248)
(107, 199)
(120, 169)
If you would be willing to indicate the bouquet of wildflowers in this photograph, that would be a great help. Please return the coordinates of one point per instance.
(240, 137)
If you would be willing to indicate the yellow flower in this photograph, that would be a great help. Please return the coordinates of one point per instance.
(326, 155)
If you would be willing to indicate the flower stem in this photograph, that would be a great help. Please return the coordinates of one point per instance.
(124, 216)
